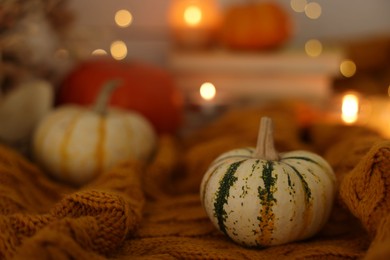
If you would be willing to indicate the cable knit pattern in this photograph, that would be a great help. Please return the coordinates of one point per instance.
(94, 220)
(153, 211)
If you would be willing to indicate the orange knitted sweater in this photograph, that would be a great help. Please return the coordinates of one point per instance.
(153, 211)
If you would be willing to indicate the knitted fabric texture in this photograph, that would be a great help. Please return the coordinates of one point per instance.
(153, 210)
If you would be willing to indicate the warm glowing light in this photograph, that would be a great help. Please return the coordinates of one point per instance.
(298, 5)
(123, 18)
(350, 108)
(207, 91)
(194, 23)
(348, 68)
(313, 48)
(192, 15)
(388, 91)
(118, 50)
(99, 52)
(313, 10)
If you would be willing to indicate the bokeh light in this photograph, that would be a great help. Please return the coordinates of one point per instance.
(99, 52)
(192, 15)
(298, 5)
(350, 108)
(313, 10)
(313, 48)
(207, 91)
(348, 68)
(118, 50)
(123, 18)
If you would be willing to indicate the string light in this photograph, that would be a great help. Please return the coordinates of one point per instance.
(99, 52)
(123, 18)
(118, 50)
(348, 68)
(313, 10)
(313, 48)
(298, 5)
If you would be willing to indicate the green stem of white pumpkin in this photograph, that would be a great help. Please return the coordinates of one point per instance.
(265, 148)
(104, 95)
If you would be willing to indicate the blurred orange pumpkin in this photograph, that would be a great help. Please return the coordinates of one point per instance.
(259, 25)
(144, 88)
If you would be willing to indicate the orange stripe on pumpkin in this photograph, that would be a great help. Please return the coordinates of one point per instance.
(64, 154)
(266, 224)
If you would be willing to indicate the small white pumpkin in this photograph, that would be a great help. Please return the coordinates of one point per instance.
(260, 198)
(75, 143)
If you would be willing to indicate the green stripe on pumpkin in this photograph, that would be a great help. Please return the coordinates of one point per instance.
(308, 160)
(222, 194)
(266, 195)
(304, 183)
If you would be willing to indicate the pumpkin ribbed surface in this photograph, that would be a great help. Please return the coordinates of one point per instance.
(75, 144)
(260, 202)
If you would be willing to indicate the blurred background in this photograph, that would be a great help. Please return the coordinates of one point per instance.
(214, 54)
(148, 35)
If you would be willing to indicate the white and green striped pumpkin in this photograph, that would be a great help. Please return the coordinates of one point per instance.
(75, 144)
(260, 198)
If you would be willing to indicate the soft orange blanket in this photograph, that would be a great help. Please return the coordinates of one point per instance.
(153, 211)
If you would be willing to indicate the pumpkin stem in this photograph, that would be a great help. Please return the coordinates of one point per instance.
(104, 95)
(265, 148)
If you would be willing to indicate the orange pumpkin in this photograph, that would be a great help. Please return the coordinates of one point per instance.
(145, 88)
(261, 25)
